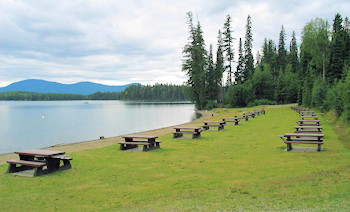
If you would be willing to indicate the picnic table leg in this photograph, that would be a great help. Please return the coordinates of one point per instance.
(38, 171)
(66, 165)
(289, 146)
(12, 168)
(52, 164)
(318, 147)
(145, 148)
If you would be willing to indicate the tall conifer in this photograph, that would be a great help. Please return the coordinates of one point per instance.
(239, 74)
(194, 63)
(248, 55)
(337, 49)
(282, 52)
(228, 48)
(219, 67)
(293, 55)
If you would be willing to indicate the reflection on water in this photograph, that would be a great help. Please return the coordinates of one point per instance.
(40, 124)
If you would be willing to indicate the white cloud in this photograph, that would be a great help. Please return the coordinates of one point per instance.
(118, 42)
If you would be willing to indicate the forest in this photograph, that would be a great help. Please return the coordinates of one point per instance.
(314, 73)
(157, 92)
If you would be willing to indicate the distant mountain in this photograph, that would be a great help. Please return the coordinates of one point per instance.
(42, 86)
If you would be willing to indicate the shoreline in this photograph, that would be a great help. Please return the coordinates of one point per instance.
(91, 144)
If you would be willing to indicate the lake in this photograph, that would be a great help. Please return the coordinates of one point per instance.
(37, 124)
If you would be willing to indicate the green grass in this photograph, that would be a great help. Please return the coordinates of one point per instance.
(242, 168)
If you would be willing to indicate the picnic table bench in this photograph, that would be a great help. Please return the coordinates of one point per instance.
(311, 113)
(309, 117)
(219, 124)
(239, 117)
(298, 109)
(230, 120)
(194, 131)
(301, 138)
(309, 122)
(251, 114)
(37, 159)
(308, 129)
(133, 141)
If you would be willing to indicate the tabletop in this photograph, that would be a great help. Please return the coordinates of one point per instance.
(40, 152)
(140, 136)
(190, 128)
(303, 135)
(308, 127)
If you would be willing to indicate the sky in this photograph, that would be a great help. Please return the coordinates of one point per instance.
(119, 42)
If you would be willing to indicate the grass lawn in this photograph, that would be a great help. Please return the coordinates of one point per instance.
(242, 168)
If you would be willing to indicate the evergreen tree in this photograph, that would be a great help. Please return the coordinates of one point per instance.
(282, 52)
(293, 55)
(219, 67)
(248, 55)
(258, 59)
(194, 63)
(270, 56)
(228, 48)
(347, 39)
(211, 84)
(239, 74)
(337, 49)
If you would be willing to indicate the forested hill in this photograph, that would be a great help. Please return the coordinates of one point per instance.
(158, 92)
(42, 86)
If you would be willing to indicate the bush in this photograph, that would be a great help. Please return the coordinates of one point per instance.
(261, 102)
(210, 105)
(319, 92)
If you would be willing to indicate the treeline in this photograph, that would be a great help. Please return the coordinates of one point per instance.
(31, 96)
(315, 73)
(158, 92)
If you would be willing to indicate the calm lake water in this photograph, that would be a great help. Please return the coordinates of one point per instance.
(25, 125)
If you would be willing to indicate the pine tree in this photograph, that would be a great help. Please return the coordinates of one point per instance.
(248, 55)
(239, 74)
(211, 86)
(194, 63)
(347, 39)
(258, 59)
(228, 48)
(337, 49)
(293, 55)
(282, 52)
(219, 67)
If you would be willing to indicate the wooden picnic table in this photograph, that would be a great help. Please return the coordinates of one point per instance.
(307, 112)
(303, 138)
(37, 159)
(194, 131)
(234, 120)
(147, 141)
(219, 124)
(308, 129)
(238, 117)
(309, 122)
(309, 117)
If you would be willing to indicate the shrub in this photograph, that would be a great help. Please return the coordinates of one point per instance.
(261, 102)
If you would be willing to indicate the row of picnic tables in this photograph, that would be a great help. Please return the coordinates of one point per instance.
(47, 161)
(308, 131)
(195, 132)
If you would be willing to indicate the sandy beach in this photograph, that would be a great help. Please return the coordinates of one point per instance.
(75, 147)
